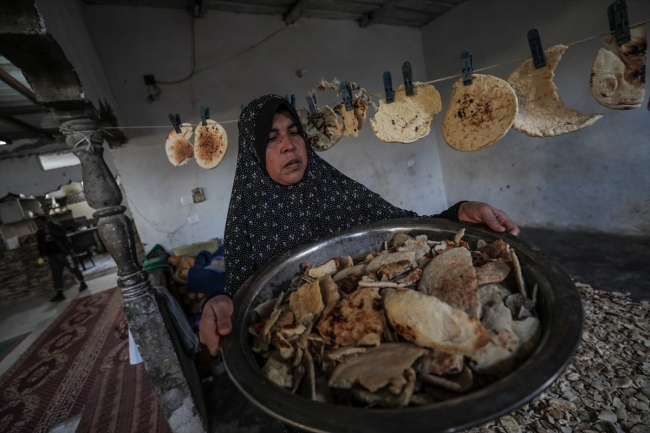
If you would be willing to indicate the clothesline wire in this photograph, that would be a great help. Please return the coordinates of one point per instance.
(382, 93)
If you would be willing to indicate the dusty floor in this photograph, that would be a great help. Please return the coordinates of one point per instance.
(608, 262)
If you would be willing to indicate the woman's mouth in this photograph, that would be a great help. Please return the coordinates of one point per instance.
(293, 163)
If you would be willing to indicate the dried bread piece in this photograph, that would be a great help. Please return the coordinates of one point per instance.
(384, 397)
(427, 321)
(278, 370)
(408, 118)
(491, 272)
(354, 119)
(378, 367)
(327, 268)
(322, 132)
(306, 301)
(459, 383)
(438, 362)
(618, 73)
(210, 144)
(541, 111)
(451, 278)
(356, 320)
(386, 259)
(178, 147)
(479, 114)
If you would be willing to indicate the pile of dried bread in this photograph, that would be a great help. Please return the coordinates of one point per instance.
(415, 323)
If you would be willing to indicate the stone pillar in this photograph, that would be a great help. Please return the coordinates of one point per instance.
(141, 308)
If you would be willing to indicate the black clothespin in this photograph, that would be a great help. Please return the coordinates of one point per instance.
(313, 103)
(536, 50)
(205, 114)
(618, 21)
(242, 106)
(347, 95)
(176, 121)
(293, 101)
(407, 72)
(388, 88)
(467, 65)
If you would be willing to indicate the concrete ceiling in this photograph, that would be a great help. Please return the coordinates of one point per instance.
(411, 13)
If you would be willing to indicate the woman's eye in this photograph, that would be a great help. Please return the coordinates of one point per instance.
(271, 139)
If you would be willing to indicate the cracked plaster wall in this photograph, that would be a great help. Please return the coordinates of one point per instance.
(595, 179)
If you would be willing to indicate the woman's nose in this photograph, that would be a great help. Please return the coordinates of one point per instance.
(287, 143)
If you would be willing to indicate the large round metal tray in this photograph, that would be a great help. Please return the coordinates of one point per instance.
(559, 309)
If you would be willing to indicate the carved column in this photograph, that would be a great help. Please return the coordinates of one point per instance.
(142, 311)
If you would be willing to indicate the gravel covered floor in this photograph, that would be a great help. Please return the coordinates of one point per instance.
(607, 385)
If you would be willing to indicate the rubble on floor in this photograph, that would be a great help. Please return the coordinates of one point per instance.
(606, 388)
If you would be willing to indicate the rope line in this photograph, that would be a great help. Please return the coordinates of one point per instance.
(378, 94)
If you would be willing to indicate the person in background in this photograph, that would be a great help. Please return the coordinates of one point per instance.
(54, 243)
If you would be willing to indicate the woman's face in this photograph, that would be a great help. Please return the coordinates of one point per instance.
(286, 156)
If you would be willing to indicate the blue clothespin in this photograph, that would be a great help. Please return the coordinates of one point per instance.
(388, 88)
(618, 21)
(313, 103)
(293, 101)
(242, 106)
(468, 66)
(407, 72)
(205, 114)
(176, 122)
(347, 95)
(536, 50)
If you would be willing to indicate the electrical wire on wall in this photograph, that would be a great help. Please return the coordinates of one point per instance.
(193, 59)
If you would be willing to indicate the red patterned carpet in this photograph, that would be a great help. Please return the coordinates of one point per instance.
(70, 365)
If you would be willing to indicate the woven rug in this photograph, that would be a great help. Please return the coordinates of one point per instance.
(51, 382)
(123, 400)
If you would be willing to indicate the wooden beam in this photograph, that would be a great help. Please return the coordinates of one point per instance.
(17, 85)
(18, 110)
(26, 125)
(367, 19)
(295, 11)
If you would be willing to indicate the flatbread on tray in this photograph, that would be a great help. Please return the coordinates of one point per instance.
(322, 132)
(210, 144)
(479, 114)
(178, 147)
(618, 73)
(541, 111)
(408, 118)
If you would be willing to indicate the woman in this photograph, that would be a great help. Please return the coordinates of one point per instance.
(285, 195)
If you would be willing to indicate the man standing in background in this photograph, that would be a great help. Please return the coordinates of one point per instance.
(54, 243)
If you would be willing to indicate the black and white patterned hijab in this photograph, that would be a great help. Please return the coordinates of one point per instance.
(266, 219)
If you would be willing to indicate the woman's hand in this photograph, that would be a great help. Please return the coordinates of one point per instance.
(216, 322)
(483, 213)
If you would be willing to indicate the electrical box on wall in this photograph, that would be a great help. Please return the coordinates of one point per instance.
(197, 195)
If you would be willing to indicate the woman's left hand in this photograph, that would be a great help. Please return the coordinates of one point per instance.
(483, 213)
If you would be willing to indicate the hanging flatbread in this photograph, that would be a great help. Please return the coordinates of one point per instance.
(354, 119)
(541, 111)
(408, 118)
(324, 131)
(210, 144)
(178, 147)
(479, 114)
(618, 73)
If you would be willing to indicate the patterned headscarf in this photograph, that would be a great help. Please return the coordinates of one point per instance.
(266, 219)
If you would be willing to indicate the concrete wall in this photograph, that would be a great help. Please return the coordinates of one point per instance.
(596, 179)
(133, 42)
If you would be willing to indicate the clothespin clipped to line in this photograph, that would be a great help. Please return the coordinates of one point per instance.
(618, 21)
(313, 103)
(388, 88)
(467, 65)
(205, 114)
(407, 72)
(292, 100)
(346, 93)
(176, 122)
(536, 50)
